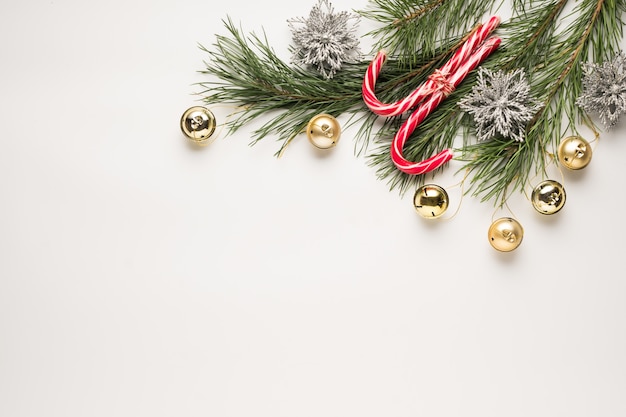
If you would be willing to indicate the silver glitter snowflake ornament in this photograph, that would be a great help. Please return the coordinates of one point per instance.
(604, 89)
(325, 40)
(501, 104)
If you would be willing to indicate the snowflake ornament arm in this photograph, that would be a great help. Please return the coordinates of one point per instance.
(501, 104)
(604, 89)
(325, 40)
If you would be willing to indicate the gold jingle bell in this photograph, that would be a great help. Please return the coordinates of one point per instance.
(430, 201)
(505, 234)
(198, 124)
(323, 131)
(548, 197)
(574, 152)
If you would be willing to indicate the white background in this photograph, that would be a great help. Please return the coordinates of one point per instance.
(140, 276)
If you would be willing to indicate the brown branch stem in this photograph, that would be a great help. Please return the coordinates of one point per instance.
(419, 12)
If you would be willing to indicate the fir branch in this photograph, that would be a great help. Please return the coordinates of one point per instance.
(251, 76)
(497, 166)
(410, 26)
(418, 12)
(529, 35)
(556, 68)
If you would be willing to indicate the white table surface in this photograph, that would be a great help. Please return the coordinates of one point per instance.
(140, 276)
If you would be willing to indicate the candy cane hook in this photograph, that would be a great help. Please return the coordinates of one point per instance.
(430, 94)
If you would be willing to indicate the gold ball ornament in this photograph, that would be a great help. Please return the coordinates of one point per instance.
(548, 197)
(505, 234)
(198, 124)
(574, 152)
(323, 131)
(431, 201)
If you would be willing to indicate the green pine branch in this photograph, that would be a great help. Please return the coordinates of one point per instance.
(410, 26)
(553, 61)
(244, 71)
(248, 74)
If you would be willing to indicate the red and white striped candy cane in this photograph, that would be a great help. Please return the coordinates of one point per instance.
(417, 117)
(438, 86)
(401, 106)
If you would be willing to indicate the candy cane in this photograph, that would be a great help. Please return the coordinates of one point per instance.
(399, 107)
(438, 86)
(425, 109)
